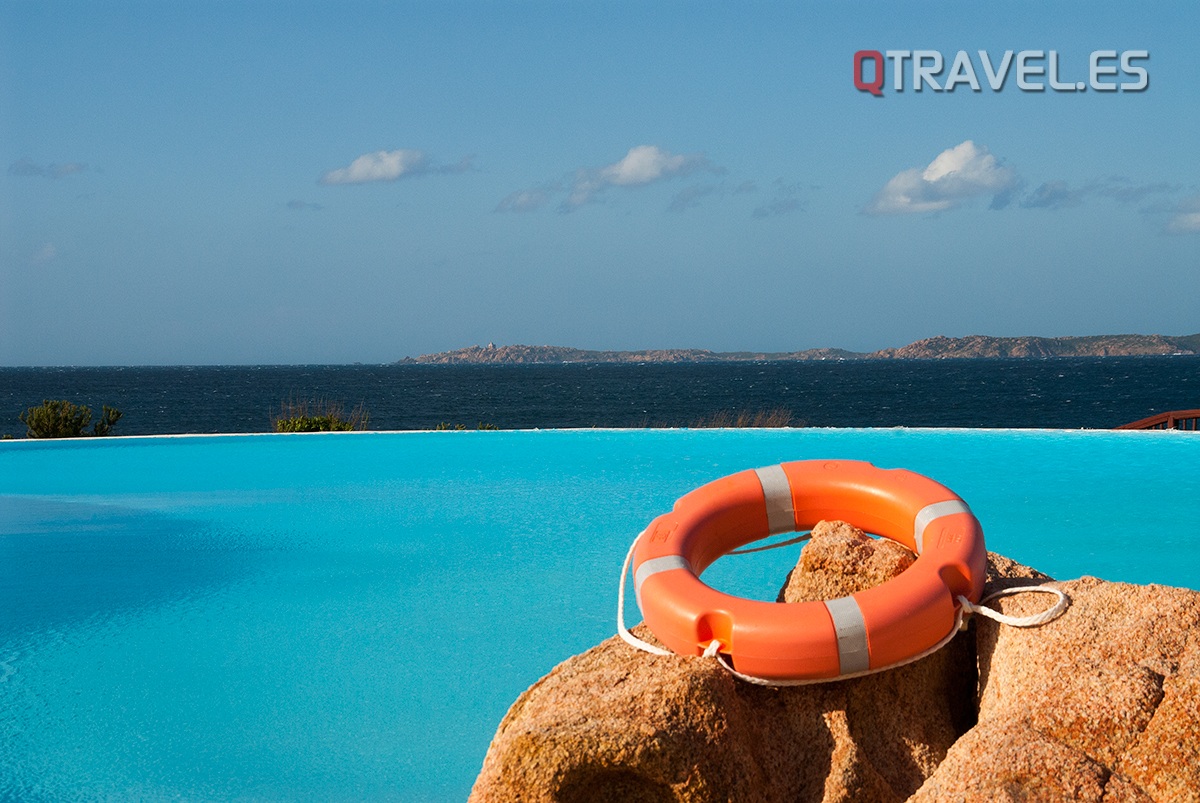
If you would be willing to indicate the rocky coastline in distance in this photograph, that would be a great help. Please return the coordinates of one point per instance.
(933, 348)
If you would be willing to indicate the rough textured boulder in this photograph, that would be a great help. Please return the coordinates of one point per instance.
(840, 560)
(621, 725)
(1100, 704)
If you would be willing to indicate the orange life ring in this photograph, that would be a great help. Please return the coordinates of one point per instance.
(873, 629)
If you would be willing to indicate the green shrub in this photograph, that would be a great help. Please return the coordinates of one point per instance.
(109, 416)
(318, 416)
(59, 418)
(312, 423)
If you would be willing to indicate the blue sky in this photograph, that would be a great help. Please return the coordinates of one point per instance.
(272, 182)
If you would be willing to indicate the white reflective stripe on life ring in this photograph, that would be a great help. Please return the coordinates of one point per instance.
(928, 514)
(781, 517)
(654, 566)
(853, 655)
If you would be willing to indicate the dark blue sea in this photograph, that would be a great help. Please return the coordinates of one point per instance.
(1062, 393)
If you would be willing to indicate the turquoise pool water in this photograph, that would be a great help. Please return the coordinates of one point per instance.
(347, 617)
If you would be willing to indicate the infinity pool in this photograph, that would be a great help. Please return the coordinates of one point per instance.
(347, 617)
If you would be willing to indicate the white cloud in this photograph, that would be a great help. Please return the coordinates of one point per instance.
(957, 174)
(642, 165)
(584, 187)
(1184, 223)
(646, 163)
(380, 166)
(1186, 219)
(46, 254)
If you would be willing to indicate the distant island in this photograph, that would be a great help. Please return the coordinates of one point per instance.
(932, 348)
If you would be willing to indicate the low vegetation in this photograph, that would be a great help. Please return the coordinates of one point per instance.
(58, 418)
(446, 425)
(744, 419)
(778, 417)
(319, 416)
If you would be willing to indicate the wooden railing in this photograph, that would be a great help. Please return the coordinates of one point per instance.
(1176, 419)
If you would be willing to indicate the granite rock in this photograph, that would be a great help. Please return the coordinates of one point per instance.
(617, 724)
(1100, 704)
(840, 560)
